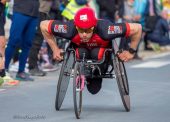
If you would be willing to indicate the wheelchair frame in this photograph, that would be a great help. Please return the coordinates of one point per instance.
(70, 62)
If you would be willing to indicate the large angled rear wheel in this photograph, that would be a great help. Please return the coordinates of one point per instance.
(64, 79)
(122, 81)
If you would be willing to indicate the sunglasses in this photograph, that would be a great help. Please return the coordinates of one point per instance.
(89, 30)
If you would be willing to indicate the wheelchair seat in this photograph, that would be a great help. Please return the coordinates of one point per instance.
(98, 68)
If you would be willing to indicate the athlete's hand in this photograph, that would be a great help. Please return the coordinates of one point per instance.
(57, 54)
(125, 55)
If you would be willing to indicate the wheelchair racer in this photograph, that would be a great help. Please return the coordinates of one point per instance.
(90, 36)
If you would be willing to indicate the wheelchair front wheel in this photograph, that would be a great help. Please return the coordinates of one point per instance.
(77, 91)
(122, 81)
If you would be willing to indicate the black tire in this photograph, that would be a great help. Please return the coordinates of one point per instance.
(64, 79)
(77, 93)
(122, 81)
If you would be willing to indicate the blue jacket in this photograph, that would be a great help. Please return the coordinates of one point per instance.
(154, 8)
(161, 27)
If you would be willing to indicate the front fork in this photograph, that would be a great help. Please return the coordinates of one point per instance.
(81, 77)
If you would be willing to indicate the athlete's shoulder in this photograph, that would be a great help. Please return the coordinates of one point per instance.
(103, 22)
(109, 30)
(64, 29)
(102, 28)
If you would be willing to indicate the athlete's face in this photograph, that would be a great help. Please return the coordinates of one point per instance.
(85, 34)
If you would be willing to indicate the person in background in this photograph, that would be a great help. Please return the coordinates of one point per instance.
(56, 9)
(119, 10)
(139, 9)
(22, 31)
(152, 11)
(72, 7)
(4, 77)
(34, 70)
(107, 9)
(166, 6)
(161, 31)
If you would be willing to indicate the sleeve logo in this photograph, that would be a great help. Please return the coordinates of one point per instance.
(60, 28)
(114, 30)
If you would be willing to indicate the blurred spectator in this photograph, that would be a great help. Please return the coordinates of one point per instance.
(159, 6)
(152, 12)
(45, 61)
(4, 77)
(10, 9)
(129, 12)
(2, 33)
(140, 7)
(93, 4)
(119, 5)
(44, 9)
(128, 16)
(160, 33)
(72, 7)
(154, 7)
(56, 9)
(9, 14)
(166, 6)
(107, 9)
(22, 31)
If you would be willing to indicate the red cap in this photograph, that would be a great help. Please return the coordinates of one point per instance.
(85, 18)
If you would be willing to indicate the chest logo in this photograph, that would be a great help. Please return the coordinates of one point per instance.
(92, 44)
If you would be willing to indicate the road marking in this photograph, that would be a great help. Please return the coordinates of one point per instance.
(157, 55)
(2, 90)
(151, 64)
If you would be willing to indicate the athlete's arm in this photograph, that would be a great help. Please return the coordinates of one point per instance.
(50, 40)
(51, 28)
(135, 32)
(109, 31)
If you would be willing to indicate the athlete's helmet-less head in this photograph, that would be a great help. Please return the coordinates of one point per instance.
(85, 18)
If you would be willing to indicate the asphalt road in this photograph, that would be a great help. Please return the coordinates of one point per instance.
(149, 82)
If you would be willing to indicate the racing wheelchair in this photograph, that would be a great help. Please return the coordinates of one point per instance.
(70, 62)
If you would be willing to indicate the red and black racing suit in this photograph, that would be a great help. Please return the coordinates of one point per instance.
(104, 32)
